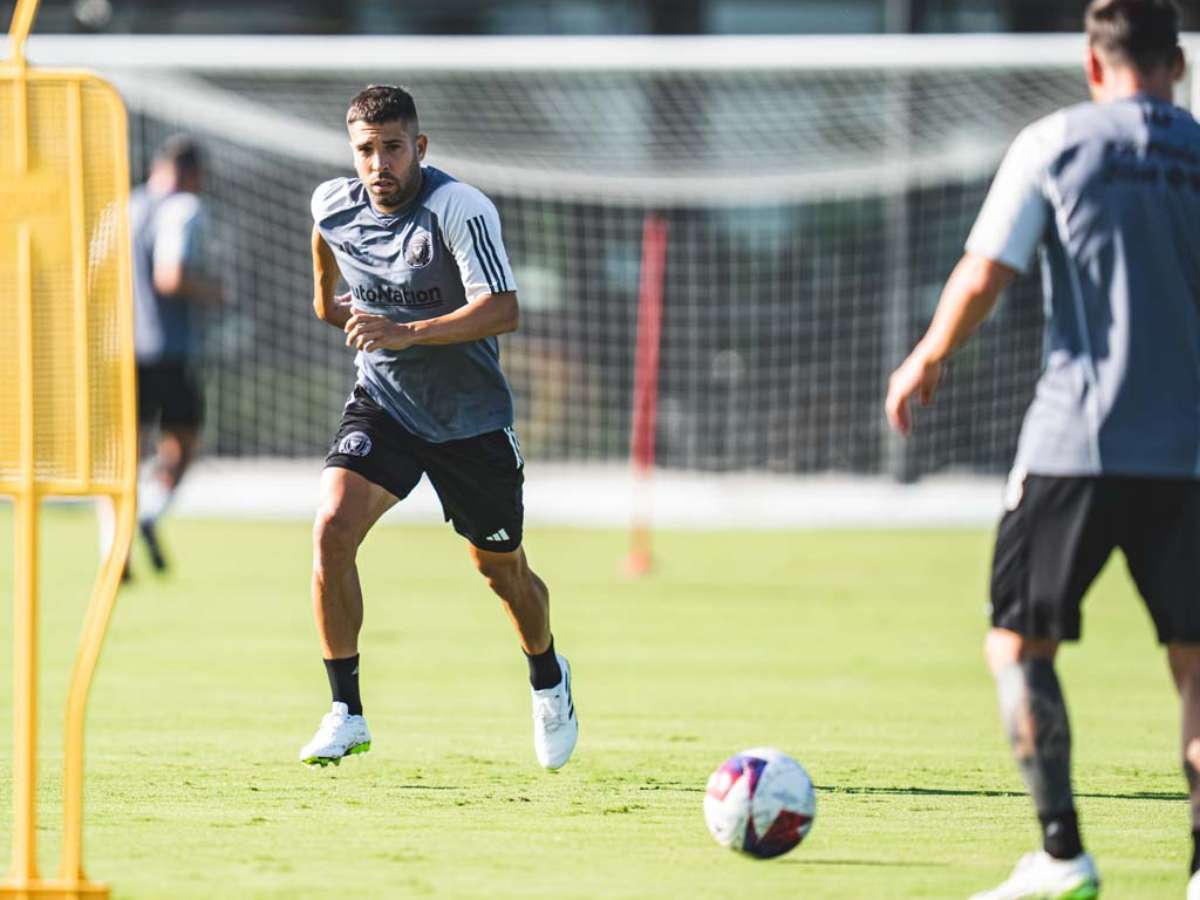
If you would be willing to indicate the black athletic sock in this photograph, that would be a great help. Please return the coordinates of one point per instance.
(343, 682)
(1195, 865)
(543, 668)
(1060, 835)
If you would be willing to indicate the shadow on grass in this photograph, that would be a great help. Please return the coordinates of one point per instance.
(956, 792)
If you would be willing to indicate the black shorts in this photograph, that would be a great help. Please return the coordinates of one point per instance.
(1052, 546)
(169, 395)
(478, 479)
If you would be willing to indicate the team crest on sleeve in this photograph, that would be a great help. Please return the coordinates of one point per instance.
(356, 443)
(418, 251)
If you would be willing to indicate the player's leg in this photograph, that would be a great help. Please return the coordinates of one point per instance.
(526, 601)
(480, 483)
(182, 414)
(175, 452)
(149, 411)
(524, 595)
(1185, 669)
(1034, 713)
(1162, 551)
(1049, 548)
(367, 471)
(350, 505)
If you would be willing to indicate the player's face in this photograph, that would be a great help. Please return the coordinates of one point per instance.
(387, 157)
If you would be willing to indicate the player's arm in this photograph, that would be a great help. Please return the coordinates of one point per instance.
(178, 251)
(173, 280)
(968, 298)
(329, 308)
(484, 317)
(1008, 230)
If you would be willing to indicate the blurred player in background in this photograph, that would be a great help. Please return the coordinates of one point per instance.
(1109, 454)
(430, 289)
(170, 288)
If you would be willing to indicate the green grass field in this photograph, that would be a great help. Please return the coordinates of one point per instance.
(856, 652)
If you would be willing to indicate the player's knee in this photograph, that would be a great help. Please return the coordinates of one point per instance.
(1002, 647)
(335, 539)
(1184, 660)
(502, 572)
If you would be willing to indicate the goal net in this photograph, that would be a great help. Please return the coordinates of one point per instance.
(815, 195)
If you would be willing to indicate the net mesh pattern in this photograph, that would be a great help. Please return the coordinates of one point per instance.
(812, 219)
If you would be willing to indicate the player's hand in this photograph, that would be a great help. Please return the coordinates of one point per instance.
(917, 376)
(367, 332)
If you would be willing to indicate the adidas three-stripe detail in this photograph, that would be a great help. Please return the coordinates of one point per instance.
(485, 252)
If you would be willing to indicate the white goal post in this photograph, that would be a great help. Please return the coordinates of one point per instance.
(129, 58)
(712, 53)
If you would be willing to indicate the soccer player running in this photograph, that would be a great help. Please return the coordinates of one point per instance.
(430, 289)
(170, 288)
(1109, 454)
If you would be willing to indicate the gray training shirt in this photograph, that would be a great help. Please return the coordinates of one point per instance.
(437, 254)
(165, 229)
(1111, 192)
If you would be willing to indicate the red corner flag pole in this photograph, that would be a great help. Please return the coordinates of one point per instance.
(645, 388)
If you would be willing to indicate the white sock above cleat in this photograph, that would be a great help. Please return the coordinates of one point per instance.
(340, 734)
(1039, 876)
(555, 727)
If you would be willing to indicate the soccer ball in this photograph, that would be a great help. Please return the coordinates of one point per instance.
(760, 802)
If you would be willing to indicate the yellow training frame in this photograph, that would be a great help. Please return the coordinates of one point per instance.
(67, 408)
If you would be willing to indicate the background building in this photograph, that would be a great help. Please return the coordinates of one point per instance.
(610, 17)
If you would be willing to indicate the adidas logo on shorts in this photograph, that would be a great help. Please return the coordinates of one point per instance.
(500, 535)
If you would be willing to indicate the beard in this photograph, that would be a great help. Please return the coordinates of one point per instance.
(396, 191)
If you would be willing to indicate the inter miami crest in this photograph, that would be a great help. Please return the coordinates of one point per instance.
(356, 443)
(419, 249)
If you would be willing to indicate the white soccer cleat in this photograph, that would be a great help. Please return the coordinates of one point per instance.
(340, 734)
(1039, 876)
(555, 728)
(1194, 887)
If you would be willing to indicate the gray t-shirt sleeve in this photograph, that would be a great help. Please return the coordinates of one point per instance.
(327, 198)
(1014, 215)
(471, 229)
(179, 232)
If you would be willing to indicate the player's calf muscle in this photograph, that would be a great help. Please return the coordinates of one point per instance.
(509, 575)
(1035, 714)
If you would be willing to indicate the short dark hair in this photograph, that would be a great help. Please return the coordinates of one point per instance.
(379, 103)
(181, 151)
(1141, 33)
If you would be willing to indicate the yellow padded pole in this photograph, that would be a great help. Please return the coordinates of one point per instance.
(85, 446)
(95, 626)
(22, 22)
(25, 632)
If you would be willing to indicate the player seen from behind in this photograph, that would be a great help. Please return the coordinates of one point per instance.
(171, 288)
(430, 289)
(1109, 454)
